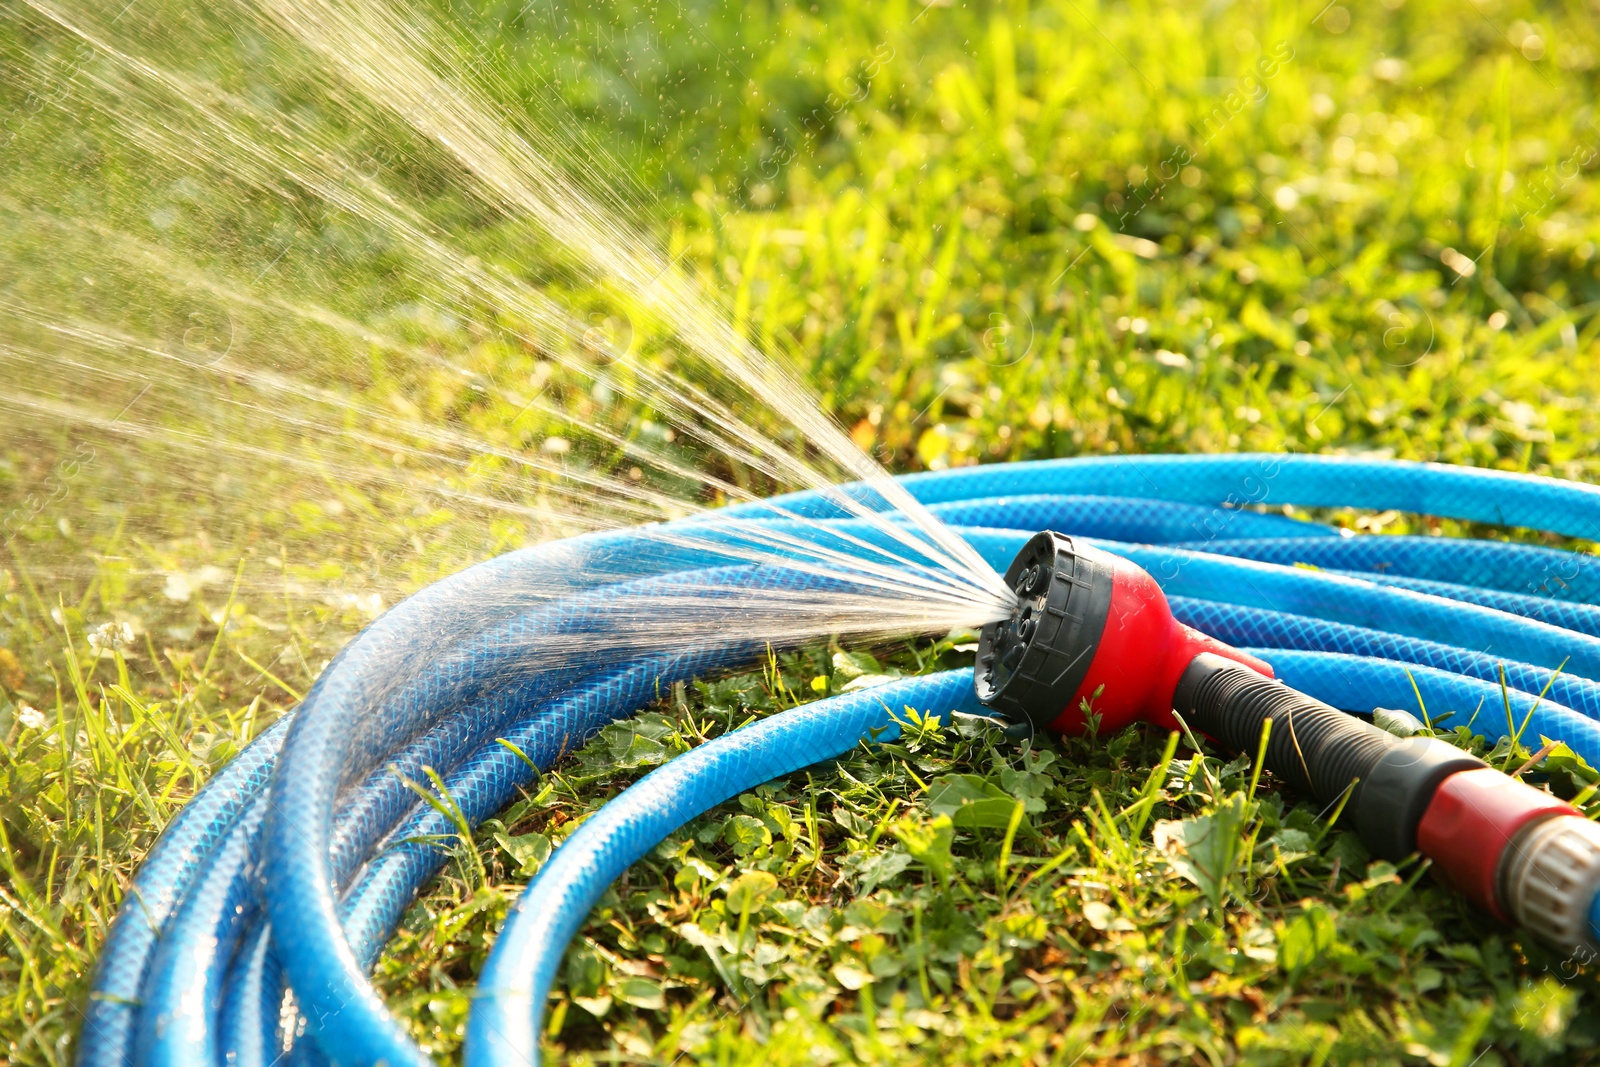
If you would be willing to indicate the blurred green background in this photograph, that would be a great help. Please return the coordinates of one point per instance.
(981, 231)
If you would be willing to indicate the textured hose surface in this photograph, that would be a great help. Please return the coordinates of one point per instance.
(417, 689)
(184, 987)
(1125, 518)
(1508, 568)
(158, 890)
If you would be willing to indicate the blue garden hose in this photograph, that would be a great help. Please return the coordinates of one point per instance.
(417, 689)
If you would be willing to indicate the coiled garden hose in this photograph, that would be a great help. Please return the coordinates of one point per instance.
(290, 869)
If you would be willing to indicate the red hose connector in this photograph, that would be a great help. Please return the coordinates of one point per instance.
(1472, 822)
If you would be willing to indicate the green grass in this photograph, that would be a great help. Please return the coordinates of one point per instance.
(983, 232)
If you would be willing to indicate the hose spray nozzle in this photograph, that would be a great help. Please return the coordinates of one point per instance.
(1092, 632)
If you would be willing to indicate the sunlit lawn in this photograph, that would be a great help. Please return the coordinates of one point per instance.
(983, 232)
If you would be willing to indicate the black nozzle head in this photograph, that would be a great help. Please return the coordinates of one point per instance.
(1030, 664)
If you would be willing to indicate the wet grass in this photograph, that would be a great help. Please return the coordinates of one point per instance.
(1003, 231)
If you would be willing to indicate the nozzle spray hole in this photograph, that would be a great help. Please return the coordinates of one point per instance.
(1029, 583)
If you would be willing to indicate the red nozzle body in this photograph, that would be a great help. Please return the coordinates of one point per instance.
(1142, 653)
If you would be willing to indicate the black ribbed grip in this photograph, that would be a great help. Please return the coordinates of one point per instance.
(1315, 749)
